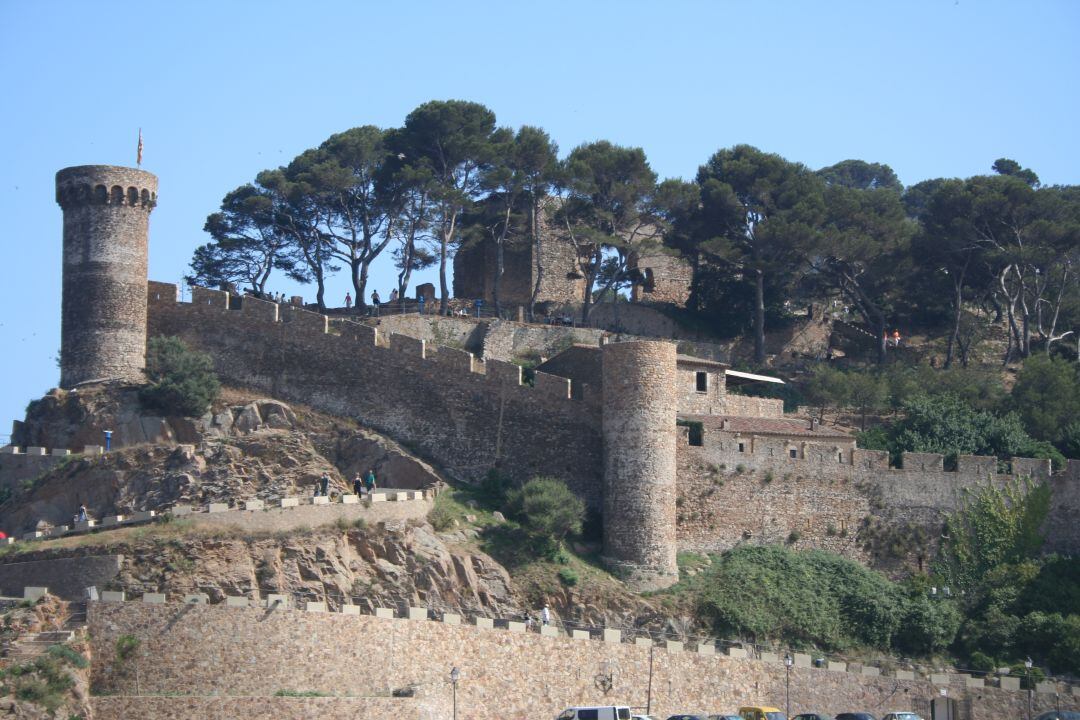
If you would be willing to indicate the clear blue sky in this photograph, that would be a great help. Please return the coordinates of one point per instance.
(225, 89)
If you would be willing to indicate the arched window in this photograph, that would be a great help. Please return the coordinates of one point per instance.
(101, 195)
(145, 197)
(133, 196)
(117, 195)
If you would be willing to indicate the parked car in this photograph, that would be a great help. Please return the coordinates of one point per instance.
(642, 717)
(687, 717)
(595, 712)
(812, 716)
(1059, 715)
(902, 716)
(761, 712)
(725, 717)
(855, 716)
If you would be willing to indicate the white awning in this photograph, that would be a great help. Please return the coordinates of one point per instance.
(751, 377)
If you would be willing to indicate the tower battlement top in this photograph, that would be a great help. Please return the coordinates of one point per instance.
(106, 185)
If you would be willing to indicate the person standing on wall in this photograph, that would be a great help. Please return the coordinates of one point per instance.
(375, 303)
(545, 615)
(370, 480)
(358, 484)
(348, 300)
(324, 485)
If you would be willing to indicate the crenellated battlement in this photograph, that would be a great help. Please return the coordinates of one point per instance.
(163, 297)
(820, 494)
(466, 414)
(804, 456)
(106, 185)
(469, 416)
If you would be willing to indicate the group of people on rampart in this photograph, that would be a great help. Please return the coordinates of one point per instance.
(360, 485)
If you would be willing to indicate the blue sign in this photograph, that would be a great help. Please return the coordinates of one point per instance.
(479, 303)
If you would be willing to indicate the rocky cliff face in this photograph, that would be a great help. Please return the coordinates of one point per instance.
(244, 448)
(249, 447)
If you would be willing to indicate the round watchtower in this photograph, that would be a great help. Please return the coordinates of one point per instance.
(640, 406)
(103, 316)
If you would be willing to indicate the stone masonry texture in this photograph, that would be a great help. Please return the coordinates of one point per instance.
(103, 318)
(202, 651)
(67, 578)
(640, 402)
(471, 421)
(467, 422)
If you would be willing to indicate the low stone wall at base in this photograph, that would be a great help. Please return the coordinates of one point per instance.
(253, 708)
(228, 651)
(285, 519)
(65, 577)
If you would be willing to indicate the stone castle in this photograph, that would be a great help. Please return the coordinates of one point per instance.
(640, 432)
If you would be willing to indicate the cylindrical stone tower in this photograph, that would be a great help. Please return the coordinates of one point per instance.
(640, 406)
(103, 317)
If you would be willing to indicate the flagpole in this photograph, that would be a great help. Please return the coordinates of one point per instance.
(138, 153)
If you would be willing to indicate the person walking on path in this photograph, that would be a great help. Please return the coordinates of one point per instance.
(358, 484)
(370, 480)
(545, 615)
(324, 485)
(375, 303)
(348, 300)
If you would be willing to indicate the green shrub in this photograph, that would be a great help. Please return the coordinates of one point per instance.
(809, 598)
(548, 509)
(126, 647)
(494, 488)
(68, 655)
(181, 381)
(929, 626)
(793, 537)
(981, 662)
(568, 576)
(440, 517)
(300, 693)
(43, 682)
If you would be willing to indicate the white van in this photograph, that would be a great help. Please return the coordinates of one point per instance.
(596, 712)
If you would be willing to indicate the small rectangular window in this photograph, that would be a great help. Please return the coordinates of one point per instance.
(702, 381)
(793, 453)
(840, 458)
(742, 447)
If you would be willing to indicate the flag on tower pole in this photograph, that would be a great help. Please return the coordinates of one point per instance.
(138, 158)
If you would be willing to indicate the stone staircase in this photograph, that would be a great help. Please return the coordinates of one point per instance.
(27, 647)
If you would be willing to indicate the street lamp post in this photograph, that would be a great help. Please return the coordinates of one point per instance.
(455, 675)
(788, 662)
(1028, 664)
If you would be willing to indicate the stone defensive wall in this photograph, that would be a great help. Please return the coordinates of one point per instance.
(739, 487)
(206, 657)
(22, 465)
(441, 402)
(262, 516)
(66, 578)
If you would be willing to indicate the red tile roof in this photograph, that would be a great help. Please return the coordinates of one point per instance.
(768, 426)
